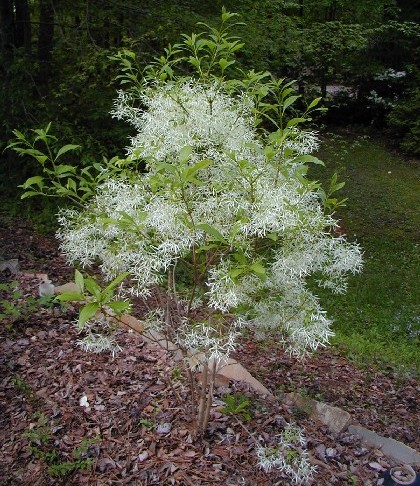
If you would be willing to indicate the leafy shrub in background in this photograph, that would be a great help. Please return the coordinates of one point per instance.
(404, 122)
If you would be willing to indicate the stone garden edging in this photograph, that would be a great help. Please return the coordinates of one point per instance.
(338, 420)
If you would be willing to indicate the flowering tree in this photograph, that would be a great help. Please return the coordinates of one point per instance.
(223, 227)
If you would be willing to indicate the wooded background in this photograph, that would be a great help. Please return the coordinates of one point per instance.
(54, 61)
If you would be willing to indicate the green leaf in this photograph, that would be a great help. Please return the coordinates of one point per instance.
(308, 158)
(71, 297)
(240, 257)
(108, 291)
(41, 159)
(119, 306)
(295, 121)
(87, 312)
(71, 185)
(185, 153)
(259, 270)
(269, 151)
(79, 280)
(38, 180)
(30, 194)
(66, 148)
(314, 103)
(224, 63)
(19, 135)
(191, 171)
(212, 231)
(92, 287)
(338, 186)
(65, 169)
(289, 101)
(165, 166)
(235, 272)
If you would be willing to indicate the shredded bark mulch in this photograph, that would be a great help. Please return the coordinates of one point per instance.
(71, 418)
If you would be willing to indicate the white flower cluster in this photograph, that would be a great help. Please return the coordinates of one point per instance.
(207, 169)
(289, 456)
(379, 100)
(302, 142)
(214, 344)
(389, 74)
(126, 231)
(194, 115)
(99, 337)
(97, 343)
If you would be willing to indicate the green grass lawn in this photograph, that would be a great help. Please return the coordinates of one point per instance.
(378, 320)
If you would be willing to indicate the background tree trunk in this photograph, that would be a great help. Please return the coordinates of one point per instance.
(46, 33)
(6, 25)
(22, 37)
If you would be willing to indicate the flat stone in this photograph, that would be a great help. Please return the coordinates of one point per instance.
(43, 277)
(130, 322)
(336, 419)
(156, 338)
(12, 265)
(235, 371)
(68, 287)
(304, 404)
(219, 380)
(390, 447)
(46, 289)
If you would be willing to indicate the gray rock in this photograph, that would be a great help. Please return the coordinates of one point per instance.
(390, 447)
(46, 289)
(336, 419)
(11, 265)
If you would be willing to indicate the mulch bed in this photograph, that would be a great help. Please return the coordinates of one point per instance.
(44, 375)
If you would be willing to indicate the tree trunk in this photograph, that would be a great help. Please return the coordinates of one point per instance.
(6, 25)
(22, 37)
(301, 9)
(331, 11)
(46, 33)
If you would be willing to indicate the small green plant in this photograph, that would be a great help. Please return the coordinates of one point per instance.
(9, 312)
(21, 385)
(352, 479)
(18, 307)
(79, 460)
(39, 435)
(332, 203)
(11, 287)
(42, 447)
(289, 455)
(101, 310)
(146, 423)
(237, 405)
(177, 374)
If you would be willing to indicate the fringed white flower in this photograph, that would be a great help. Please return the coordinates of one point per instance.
(210, 189)
(289, 456)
